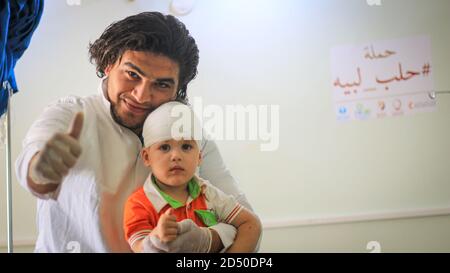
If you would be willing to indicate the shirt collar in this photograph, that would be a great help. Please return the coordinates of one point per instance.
(160, 199)
(103, 91)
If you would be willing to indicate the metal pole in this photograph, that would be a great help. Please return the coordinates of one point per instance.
(8, 88)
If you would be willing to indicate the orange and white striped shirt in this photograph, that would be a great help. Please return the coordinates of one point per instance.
(144, 207)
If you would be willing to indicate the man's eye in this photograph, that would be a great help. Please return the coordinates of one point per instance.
(186, 147)
(133, 75)
(163, 85)
(165, 147)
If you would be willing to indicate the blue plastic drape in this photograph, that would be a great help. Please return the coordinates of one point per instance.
(18, 20)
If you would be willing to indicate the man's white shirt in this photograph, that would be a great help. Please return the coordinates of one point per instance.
(86, 209)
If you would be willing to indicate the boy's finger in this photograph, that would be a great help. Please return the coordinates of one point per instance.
(167, 239)
(171, 223)
(169, 211)
(168, 222)
(170, 231)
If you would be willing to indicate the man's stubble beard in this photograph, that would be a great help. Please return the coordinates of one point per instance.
(116, 117)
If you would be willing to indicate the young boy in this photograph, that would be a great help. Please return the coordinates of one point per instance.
(173, 194)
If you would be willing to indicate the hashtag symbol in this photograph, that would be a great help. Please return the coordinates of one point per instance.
(426, 69)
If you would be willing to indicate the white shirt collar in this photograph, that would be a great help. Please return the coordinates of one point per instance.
(102, 89)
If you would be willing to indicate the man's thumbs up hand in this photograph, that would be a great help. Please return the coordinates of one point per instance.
(77, 125)
(59, 155)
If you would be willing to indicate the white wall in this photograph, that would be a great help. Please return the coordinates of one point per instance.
(277, 52)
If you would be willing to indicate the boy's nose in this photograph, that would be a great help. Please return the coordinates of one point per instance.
(176, 155)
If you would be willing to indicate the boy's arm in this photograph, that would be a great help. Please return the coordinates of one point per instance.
(165, 231)
(137, 246)
(145, 244)
(248, 232)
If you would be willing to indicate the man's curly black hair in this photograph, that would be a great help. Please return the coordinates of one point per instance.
(149, 32)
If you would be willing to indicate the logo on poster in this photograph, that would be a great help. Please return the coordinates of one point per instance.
(397, 104)
(343, 113)
(362, 112)
(381, 105)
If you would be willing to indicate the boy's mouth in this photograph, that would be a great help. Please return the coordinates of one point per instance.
(176, 168)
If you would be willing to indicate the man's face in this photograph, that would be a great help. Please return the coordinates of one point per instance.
(173, 162)
(138, 83)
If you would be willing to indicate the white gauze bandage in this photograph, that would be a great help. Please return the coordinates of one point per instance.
(172, 120)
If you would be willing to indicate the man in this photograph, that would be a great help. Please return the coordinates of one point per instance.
(83, 175)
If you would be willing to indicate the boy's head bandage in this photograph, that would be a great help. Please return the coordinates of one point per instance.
(171, 120)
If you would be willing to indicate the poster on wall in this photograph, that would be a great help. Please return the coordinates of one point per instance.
(382, 79)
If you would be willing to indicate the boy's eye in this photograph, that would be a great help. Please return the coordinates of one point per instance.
(165, 147)
(186, 147)
(133, 75)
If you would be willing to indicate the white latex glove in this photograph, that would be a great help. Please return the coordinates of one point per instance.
(190, 239)
(227, 233)
(59, 155)
(149, 247)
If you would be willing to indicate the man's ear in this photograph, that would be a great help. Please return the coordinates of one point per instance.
(108, 69)
(145, 154)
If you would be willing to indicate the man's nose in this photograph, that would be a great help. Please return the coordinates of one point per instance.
(142, 93)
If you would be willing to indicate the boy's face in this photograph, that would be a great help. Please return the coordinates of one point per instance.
(173, 162)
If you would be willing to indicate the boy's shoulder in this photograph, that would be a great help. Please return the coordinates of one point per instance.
(139, 196)
(208, 189)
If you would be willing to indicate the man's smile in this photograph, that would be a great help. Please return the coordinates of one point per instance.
(134, 107)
